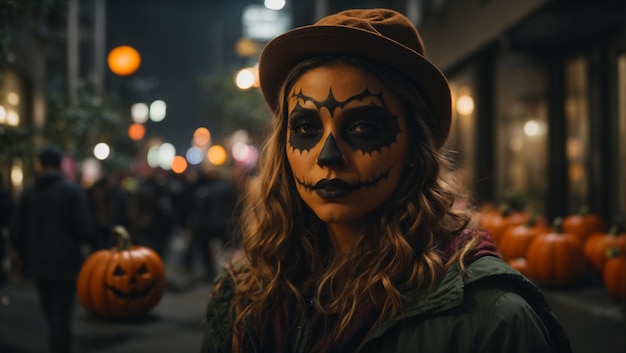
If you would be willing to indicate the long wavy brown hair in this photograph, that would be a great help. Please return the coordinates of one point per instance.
(287, 252)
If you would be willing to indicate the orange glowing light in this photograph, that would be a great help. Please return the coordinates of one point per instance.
(201, 136)
(124, 60)
(179, 164)
(216, 155)
(136, 131)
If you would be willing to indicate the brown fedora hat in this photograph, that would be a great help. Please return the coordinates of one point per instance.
(382, 35)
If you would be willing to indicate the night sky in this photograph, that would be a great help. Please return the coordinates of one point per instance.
(181, 43)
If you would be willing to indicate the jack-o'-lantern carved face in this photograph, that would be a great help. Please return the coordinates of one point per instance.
(122, 283)
(129, 283)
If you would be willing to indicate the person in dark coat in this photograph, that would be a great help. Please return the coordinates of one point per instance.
(52, 227)
(212, 200)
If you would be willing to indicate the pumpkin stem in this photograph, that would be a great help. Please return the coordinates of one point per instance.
(613, 230)
(557, 225)
(616, 225)
(123, 238)
(532, 220)
(505, 209)
(612, 251)
(584, 210)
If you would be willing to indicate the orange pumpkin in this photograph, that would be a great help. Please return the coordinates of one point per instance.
(516, 239)
(498, 220)
(124, 282)
(595, 247)
(556, 259)
(519, 264)
(583, 224)
(614, 274)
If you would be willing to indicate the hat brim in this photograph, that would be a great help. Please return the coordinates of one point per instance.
(286, 50)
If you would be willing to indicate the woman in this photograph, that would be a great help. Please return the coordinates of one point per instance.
(350, 240)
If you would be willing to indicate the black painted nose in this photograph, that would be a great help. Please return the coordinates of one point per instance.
(330, 154)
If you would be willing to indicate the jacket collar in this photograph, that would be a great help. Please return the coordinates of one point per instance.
(448, 293)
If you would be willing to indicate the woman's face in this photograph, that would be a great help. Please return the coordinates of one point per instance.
(346, 142)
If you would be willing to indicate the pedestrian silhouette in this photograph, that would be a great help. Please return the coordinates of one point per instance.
(51, 223)
(208, 222)
(109, 207)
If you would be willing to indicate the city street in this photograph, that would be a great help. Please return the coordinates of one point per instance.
(173, 326)
(594, 322)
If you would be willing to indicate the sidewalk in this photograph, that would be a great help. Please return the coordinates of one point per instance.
(594, 322)
(173, 326)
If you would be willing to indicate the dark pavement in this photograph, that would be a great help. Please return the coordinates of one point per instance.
(173, 326)
(594, 322)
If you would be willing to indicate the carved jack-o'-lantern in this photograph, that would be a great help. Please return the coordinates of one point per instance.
(124, 282)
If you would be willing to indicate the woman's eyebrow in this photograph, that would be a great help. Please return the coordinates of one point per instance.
(331, 103)
(371, 108)
(300, 111)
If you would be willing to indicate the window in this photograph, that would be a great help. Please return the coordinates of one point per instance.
(521, 132)
(462, 142)
(577, 132)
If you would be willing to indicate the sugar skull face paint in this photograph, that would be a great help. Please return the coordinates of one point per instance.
(346, 142)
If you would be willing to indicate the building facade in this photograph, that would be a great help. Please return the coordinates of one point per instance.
(539, 95)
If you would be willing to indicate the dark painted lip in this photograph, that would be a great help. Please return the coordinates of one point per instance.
(333, 188)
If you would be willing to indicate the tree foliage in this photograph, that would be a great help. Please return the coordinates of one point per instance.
(234, 108)
(79, 127)
(12, 11)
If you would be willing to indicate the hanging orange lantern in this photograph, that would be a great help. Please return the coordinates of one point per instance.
(124, 60)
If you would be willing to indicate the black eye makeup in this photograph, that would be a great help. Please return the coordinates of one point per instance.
(367, 128)
(370, 128)
(306, 128)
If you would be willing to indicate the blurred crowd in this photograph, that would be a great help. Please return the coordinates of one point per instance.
(186, 218)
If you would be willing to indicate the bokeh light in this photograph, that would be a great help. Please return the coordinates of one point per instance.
(124, 60)
(465, 105)
(152, 156)
(179, 164)
(158, 110)
(240, 151)
(531, 128)
(216, 155)
(13, 118)
(90, 171)
(139, 112)
(13, 98)
(101, 151)
(201, 137)
(136, 131)
(274, 4)
(17, 173)
(166, 155)
(194, 155)
(246, 78)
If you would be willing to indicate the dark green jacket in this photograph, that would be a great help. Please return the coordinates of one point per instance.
(491, 308)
